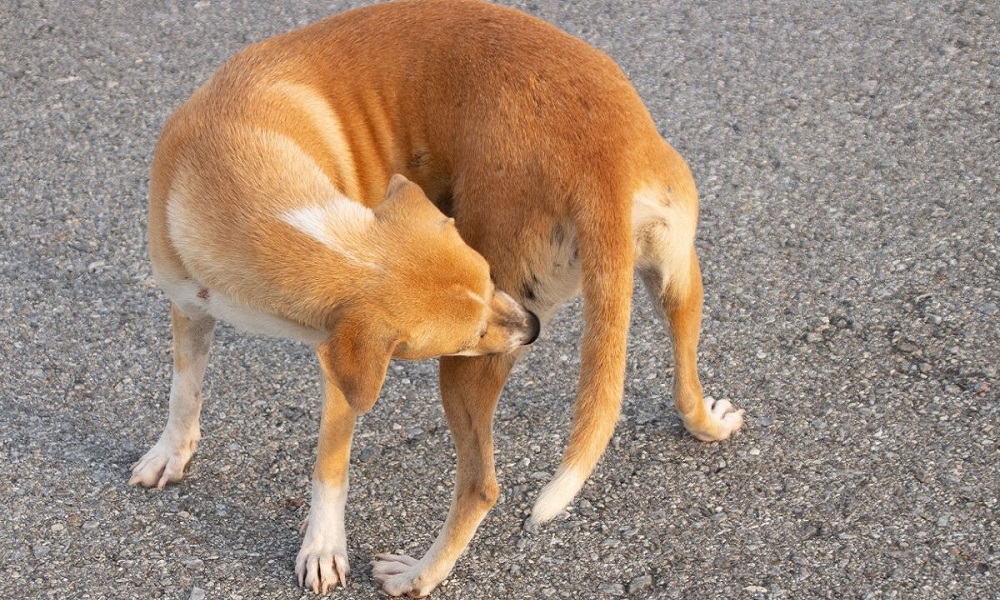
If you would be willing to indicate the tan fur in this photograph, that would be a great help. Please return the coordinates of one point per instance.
(537, 146)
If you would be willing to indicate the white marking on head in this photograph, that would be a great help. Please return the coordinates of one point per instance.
(557, 494)
(336, 223)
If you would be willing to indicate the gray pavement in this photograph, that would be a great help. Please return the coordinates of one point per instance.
(848, 155)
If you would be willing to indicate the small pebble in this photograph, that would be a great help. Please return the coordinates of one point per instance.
(810, 530)
(639, 583)
(612, 589)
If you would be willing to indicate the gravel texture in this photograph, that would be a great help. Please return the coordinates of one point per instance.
(848, 155)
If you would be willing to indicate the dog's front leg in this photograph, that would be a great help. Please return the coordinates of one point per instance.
(470, 388)
(322, 561)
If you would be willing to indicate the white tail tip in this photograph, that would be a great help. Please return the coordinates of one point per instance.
(557, 494)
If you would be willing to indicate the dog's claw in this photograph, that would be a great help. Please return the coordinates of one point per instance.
(322, 571)
(401, 575)
(721, 420)
(321, 563)
(164, 463)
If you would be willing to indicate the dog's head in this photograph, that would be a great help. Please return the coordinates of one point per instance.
(431, 296)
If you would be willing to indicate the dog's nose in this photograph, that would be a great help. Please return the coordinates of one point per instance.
(534, 328)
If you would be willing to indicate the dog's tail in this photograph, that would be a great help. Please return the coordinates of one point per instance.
(607, 257)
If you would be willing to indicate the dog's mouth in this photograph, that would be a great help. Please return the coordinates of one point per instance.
(506, 334)
(522, 325)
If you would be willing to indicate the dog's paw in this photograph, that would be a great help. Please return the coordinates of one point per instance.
(321, 564)
(719, 420)
(401, 575)
(164, 463)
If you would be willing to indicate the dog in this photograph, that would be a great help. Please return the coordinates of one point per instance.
(493, 129)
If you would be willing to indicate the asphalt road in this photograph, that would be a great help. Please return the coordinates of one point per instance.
(848, 156)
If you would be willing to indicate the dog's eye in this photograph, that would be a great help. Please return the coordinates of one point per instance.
(483, 333)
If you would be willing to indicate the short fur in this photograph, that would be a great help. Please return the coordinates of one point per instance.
(532, 141)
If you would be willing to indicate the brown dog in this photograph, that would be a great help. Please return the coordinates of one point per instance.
(537, 146)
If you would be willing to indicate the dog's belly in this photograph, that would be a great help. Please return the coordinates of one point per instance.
(193, 298)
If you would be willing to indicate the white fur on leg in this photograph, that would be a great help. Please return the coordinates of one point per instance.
(664, 235)
(723, 421)
(164, 463)
(322, 561)
(557, 494)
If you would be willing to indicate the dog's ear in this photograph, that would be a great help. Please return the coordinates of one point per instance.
(396, 185)
(405, 199)
(355, 358)
(399, 194)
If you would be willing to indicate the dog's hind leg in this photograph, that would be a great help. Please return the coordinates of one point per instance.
(668, 265)
(322, 561)
(470, 388)
(165, 461)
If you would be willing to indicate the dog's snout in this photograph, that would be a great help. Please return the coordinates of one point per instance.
(534, 328)
(522, 325)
